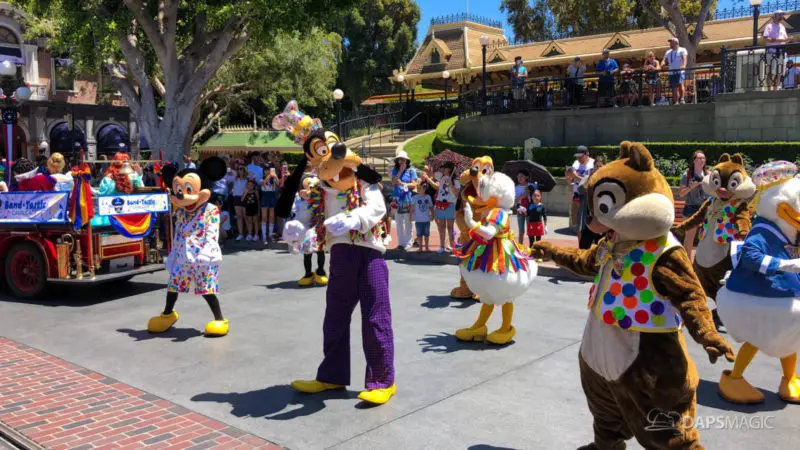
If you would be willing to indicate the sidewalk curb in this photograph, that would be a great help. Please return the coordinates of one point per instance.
(18, 439)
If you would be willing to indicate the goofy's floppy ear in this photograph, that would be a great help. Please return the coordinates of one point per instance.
(290, 187)
(367, 175)
(168, 174)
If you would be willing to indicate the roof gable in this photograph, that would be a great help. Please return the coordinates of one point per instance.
(617, 41)
(553, 49)
(497, 56)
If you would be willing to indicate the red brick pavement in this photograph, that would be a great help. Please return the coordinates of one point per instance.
(62, 406)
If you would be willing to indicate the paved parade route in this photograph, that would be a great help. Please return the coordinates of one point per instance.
(450, 395)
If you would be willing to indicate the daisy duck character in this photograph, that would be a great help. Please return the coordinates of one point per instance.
(347, 221)
(195, 254)
(306, 202)
(492, 264)
(760, 302)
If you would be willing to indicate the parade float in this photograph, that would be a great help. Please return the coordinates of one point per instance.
(46, 237)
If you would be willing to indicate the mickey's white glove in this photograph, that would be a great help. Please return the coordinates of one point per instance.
(342, 223)
(522, 210)
(789, 265)
(294, 231)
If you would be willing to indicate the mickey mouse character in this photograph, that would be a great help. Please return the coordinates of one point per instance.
(348, 222)
(195, 254)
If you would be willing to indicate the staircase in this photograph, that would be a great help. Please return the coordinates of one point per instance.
(381, 149)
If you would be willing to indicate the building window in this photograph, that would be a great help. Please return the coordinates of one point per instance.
(436, 58)
(64, 74)
(8, 37)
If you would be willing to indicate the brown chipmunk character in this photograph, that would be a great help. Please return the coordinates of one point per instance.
(633, 360)
(723, 218)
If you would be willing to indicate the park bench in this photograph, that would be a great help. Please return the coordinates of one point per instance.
(679, 204)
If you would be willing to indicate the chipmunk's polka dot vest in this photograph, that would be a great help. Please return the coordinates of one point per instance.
(628, 299)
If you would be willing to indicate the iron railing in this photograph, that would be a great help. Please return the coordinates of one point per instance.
(464, 17)
(365, 125)
(766, 8)
(377, 137)
(757, 68)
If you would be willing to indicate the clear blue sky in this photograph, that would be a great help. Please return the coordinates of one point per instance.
(486, 8)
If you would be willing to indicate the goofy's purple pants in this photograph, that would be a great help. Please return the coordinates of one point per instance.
(358, 274)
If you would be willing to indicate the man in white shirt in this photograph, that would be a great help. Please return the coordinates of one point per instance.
(675, 60)
(575, 174)
(775, 36)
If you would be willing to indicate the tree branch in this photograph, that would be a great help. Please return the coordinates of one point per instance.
(676, 17)
(136, 65)
(225, 47)
(701, 22)
(209, 94)
(158, 85)
(137, 8)
(126, 89)
(209, 122)
(656, 15)
(168, 14)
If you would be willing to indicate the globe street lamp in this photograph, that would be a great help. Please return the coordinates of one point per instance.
(484, 42)
(446, 76)
(401, 79)
(756, 4)
(11, 82)
(338, 95)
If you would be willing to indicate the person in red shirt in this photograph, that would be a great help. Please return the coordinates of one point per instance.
(28, 178)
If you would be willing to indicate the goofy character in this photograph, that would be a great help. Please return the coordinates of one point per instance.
(195, 254)
(348, 222)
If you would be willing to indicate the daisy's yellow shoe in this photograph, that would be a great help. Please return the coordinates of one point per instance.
(502, 337)
(378, 396)
(472, 334)
(217, 328)
(321, 280)
(305, 281)
(789, 390)
(314, 386)
(162, 323)
(738, 390)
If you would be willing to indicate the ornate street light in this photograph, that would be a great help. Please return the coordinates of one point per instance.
(11, 82)
(338, 95)
(401, 79)
(484, 42)
(756, 4)
(446, 76)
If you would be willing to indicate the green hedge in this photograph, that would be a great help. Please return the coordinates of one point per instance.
(757, 152)
(444, 140)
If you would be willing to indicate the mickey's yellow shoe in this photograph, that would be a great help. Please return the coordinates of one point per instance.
(472, 334)
(162, 323)
(314, 386)
(321, 280)
(502, 337)
(305, 281)
(217, 328)
(738, 390)
(378, 396)
(789, 390)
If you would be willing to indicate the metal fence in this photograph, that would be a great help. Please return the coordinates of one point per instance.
(752, 69)
(365, 125)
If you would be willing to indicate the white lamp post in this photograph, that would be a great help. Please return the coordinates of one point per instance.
(13, 91)
(401, 79)
(446, 76)
(484, 42)
(338, 95)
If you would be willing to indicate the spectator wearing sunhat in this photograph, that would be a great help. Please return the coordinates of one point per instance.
(606, 67)
(404, 180)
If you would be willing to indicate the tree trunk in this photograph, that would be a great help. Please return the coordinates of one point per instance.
(171, 133)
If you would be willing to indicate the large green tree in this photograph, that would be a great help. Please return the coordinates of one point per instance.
(259, 81)
(677, 15)
(166, 48)
(378, 36)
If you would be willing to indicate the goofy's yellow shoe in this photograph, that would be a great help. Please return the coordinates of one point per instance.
(738, 390)
(217, 328)
(502, 337)
(314, 386)
(378, 396)
(472, 334)
(789, 390)
(321, 280)
(305, 281)
(160, 324)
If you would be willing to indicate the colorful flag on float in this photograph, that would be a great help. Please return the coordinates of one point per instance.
(81, 208)
(132, 225)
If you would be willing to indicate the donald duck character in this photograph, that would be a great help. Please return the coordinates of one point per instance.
(348, 222)
(760, 302)
(492, 264)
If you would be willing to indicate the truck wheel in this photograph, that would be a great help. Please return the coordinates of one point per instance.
(26, 273)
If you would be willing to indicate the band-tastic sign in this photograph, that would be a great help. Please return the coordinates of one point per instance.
(120, 205)
(34, 207)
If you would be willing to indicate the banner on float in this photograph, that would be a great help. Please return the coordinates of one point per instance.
(34, 207)
(121, 205)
